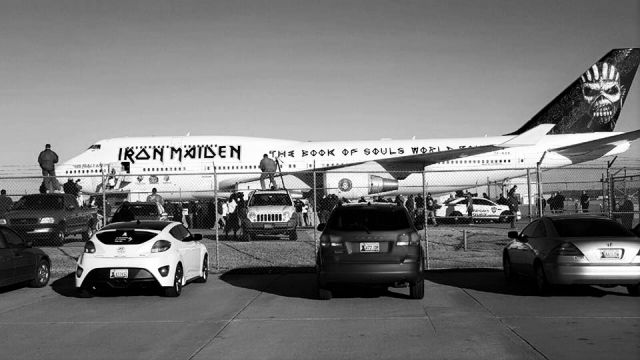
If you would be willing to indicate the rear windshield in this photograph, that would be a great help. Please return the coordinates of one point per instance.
(368, 219)
(590, 228)
(125, 237)
(144, 210)
(40, 203)
(270, 199)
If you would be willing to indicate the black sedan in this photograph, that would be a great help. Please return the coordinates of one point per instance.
(20, 262)
(370, 243)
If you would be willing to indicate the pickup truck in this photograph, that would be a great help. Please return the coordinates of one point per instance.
(49, 218)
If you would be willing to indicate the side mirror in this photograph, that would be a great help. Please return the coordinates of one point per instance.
(196, 237)
(28, 243)
(512, 234)
(321, 226)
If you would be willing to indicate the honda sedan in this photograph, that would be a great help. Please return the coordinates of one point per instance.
(574, 249)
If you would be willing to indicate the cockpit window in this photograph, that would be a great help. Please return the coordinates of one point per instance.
(94, 147)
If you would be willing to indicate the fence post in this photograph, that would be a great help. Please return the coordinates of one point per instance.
(426, 220)
(104, 198)
(539, 179)
(464, 238)
(215, 199)
(529, 194)
(315, 209)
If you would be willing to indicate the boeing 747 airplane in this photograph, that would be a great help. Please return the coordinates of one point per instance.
(575, 127)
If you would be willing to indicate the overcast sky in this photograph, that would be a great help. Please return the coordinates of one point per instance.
(74, 72)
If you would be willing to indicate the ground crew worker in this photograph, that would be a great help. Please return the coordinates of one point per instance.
(268, 167)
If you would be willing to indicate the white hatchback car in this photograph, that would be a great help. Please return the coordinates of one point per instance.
(160, 253)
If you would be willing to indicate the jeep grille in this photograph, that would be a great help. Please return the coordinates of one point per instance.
(269, 217)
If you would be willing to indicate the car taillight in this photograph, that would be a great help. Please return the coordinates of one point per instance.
(160, 246)
(89, 247)
(408, 239)
(567, 249)
(326, 241)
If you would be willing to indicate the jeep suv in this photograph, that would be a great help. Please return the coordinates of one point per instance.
(270, 212)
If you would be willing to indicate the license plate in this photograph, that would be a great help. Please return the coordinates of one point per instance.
(370, 247)
(611, 253)
(268, 226)
(119, 273)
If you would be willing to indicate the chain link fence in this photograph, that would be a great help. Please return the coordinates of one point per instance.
(454, 235)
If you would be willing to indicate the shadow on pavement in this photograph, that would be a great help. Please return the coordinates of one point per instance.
(66, 286)
(493, 281)
(298, 282)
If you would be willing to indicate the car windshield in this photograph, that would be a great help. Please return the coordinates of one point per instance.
(589, 227)
(125, 236)
(144, 209)
(40, 202)
(368, 219)
(270, 199)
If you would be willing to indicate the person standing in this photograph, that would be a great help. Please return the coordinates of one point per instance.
(48, 160)
(470, 208)
(5, 202)
(410, 204)
(431, 210)
(626, 212)
(584, 201)
(305, 212)
(513, 207)
(268, 168)
(155, 197)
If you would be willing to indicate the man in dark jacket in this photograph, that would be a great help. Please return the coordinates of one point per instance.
(5, 202)
(268, 167)
(48, 160)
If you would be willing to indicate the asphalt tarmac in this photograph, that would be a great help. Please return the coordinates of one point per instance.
(467, 314)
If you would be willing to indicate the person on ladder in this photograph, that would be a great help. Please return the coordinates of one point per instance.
(268, 167)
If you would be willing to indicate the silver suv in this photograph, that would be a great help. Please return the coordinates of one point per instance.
(270, 212)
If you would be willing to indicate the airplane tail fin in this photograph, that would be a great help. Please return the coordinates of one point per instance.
(592, 103)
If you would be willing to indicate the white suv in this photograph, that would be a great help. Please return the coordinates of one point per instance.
(270, 212)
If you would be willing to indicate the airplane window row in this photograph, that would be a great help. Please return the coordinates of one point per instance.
(165, 169)
(92, 171)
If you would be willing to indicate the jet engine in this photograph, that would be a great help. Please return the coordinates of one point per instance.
(355, 185)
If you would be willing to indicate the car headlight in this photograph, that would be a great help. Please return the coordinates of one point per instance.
(47, 220)
(3, 221)
(286, 216)
(252, 216)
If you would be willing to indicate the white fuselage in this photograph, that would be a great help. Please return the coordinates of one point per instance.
(188, 167)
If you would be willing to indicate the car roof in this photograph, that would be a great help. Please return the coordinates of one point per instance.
(278, 191)
(140, 224)
(576, 216)
(370, 205)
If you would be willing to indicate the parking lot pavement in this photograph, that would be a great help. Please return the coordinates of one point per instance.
(465, 314)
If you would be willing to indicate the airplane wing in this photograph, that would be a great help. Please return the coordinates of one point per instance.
(418, 162)
(596, 148)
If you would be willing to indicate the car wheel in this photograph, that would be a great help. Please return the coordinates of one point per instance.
(541, 282)
(634, 290)
(42, 275)
(324, 293)
(416, 291)
(456, 217)
(507, 268)
(86, 234)
(505, 216)
(57, 238)
(293, 235)
(205, 271)
(176, 289)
